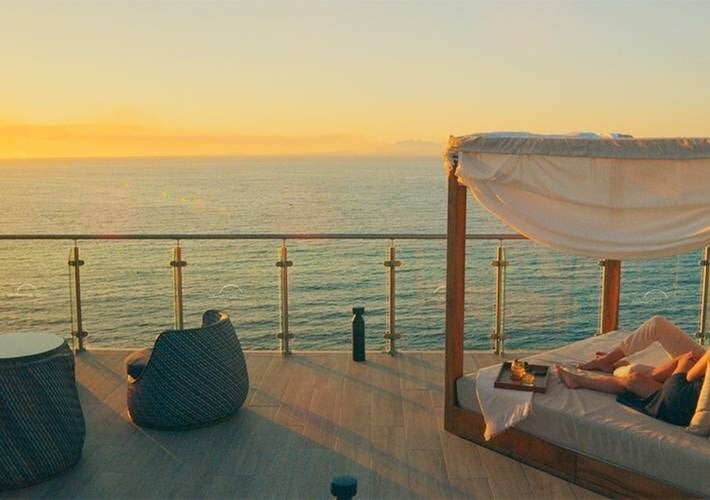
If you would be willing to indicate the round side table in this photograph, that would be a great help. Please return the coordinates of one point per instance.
(42, 431)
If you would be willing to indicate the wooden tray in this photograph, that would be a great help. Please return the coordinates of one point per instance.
(541, 373)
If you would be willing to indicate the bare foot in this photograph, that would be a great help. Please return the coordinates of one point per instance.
(567, 378)
(599, 363)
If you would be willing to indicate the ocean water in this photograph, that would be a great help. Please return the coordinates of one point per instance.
(551, 298)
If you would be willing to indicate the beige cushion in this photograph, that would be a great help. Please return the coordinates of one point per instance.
(700, 423)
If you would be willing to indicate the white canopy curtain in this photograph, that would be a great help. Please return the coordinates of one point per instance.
(613, 198)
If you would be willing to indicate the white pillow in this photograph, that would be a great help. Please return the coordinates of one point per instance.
(700, 423)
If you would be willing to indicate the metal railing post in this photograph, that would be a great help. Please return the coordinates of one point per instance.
(75, 262)
(391, 335)
(705, 283)
(284, 336)
(177, 264)
(498, 335)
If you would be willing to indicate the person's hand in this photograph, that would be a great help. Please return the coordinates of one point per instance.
(685, 362)
(691, 356)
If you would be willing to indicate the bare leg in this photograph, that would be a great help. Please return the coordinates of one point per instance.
(604, 362)
(600, 382)
(657, 328)
(638, 383)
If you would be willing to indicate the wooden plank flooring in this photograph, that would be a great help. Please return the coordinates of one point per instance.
(308, 417)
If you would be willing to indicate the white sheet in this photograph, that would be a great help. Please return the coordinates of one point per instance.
(596, 425)
(608, 198)
(500, 408)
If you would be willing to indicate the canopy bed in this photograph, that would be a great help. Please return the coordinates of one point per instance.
(611, 198)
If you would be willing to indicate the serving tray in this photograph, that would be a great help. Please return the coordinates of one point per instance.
(541, 373)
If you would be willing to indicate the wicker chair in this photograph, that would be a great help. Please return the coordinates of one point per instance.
(190, 378)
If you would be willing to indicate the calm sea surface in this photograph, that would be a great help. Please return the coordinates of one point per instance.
(551, 298)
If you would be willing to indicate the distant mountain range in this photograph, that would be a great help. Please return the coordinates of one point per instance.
(414, 148)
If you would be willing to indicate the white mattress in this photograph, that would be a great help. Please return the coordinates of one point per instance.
(596, 425)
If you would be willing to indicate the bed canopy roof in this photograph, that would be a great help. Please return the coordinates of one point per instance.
(608, 197)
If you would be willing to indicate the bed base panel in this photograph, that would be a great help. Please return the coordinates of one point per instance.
(571, 466)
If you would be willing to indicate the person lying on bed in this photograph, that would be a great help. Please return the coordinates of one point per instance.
(668, 392)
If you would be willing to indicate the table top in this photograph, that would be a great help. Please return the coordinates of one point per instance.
(19, 345)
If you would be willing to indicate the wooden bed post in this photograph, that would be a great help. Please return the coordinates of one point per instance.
(611, 292)
(455, 288)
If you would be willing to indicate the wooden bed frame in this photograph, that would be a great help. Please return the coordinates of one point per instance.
(569, 465)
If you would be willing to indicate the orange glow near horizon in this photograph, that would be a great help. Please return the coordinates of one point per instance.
(111, 139)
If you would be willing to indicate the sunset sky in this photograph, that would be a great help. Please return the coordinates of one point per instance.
(129, 78)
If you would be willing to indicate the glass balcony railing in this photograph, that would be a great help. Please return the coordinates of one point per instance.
(288, 288)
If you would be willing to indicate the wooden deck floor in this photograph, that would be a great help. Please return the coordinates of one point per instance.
(308, 417)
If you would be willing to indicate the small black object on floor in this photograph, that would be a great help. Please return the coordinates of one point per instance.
(343, 487)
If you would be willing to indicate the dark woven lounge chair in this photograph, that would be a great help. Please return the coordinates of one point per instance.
(190, 378)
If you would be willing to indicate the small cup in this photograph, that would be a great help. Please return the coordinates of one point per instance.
(517, 370)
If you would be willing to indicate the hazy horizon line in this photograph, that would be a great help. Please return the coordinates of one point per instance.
(334, 154)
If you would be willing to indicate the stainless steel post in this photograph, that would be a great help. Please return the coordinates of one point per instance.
(284, 264)
(498, 335)
(705, 264)
(177, 264)
(78, 331)
(391, 335)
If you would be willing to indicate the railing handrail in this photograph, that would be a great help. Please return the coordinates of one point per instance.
(260, 236)
(177, 263)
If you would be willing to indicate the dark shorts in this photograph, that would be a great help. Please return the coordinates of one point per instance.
(679, 399)
(674, 403)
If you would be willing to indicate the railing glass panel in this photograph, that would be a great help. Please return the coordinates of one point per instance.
(126, 289)
(239, 277)
(669, 287)
(421, 293)
(480, 294)
(34, 286)
(329, 278)
(552, 298)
